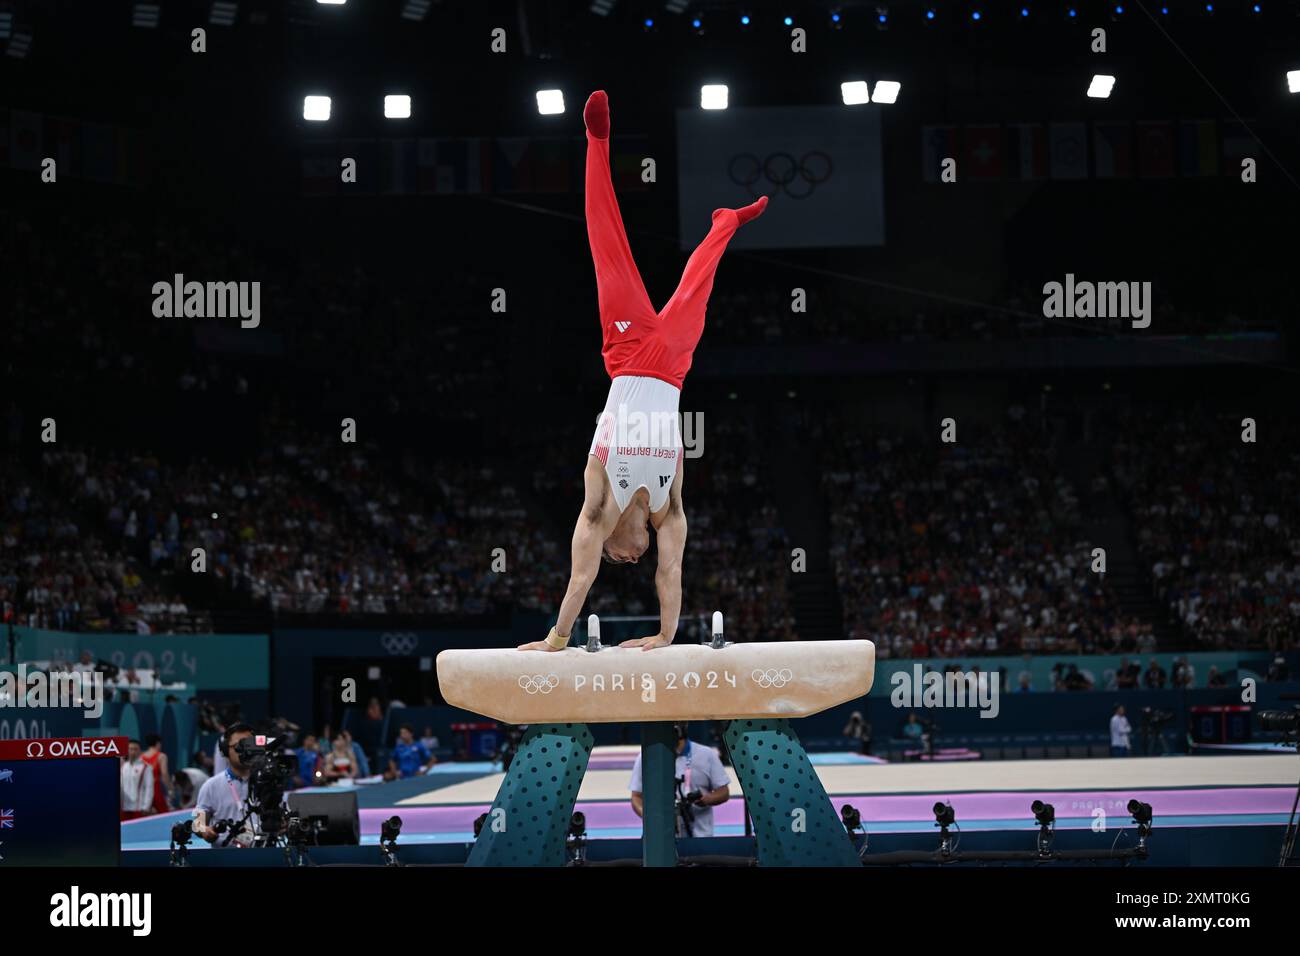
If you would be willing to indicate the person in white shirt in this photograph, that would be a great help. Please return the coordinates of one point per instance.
(1119, 731)
(702, 784)
(137, 784)
(224, 795)
(1184, 673)
(189, 782)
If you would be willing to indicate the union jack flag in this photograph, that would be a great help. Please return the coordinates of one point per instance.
(6, 819)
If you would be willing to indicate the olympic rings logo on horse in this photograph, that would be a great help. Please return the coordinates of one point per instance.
(772, 677)
(538, 683)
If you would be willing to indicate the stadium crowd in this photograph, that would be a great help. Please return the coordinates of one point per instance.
(1222, 547)
(949, 550)
(938, 550)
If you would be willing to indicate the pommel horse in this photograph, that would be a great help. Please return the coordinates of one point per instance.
(756, 688)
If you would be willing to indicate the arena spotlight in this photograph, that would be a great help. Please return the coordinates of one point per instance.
(648, 24)
(6, 24)
(886, 91)
(744, 19)
(854, 93)
(929, 15)
(698, 26)
(145, 15)
(223, 13)
(316, 108)
(1100, 87)
(1293, 81)
(602, 8)
(550, 102)
(676, 6)
(882, 17)
(976, 16)
(788, 21)
(837, 20)
(415, 10)
(713, 96)
(331, 3)
(397, 106)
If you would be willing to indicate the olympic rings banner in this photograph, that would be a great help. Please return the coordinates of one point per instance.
(820, 166)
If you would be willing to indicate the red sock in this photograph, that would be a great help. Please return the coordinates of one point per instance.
(596, 114)
(752, 211)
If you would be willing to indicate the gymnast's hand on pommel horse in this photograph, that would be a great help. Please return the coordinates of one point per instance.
(633, 477)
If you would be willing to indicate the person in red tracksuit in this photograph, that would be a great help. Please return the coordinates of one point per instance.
(633, 478)
(156, 760)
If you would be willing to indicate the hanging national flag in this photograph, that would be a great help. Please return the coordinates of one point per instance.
(1069, 150)
(937, 144)
(552, 160)
(63, 144)
(455, 165)
(1112, 150)
(6, 819)
(1198, 148)
(128, 157)
(510, 170)
(1238, 144)
(25, 140)
(1155, 149)
(1027, 150)
(98, 152)
(531, 165)
(983, 153)
(321, 170)
(366, 154)
(626, 161)
(397, 167)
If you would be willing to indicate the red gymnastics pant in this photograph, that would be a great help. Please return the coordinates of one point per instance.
(637, 340)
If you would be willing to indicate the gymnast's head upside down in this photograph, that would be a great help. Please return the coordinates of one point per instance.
(633, 478)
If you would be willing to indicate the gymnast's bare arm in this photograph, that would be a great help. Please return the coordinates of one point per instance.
(597, 519)
(670, 532)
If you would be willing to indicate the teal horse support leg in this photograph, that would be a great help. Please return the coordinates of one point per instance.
(658, 794)
(529, 819)
(794, 822)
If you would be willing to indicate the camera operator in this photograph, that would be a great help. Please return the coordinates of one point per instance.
(702, 784)
(859, 730)
(224, 796)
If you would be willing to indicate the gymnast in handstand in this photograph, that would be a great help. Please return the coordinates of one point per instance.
(633, 478)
